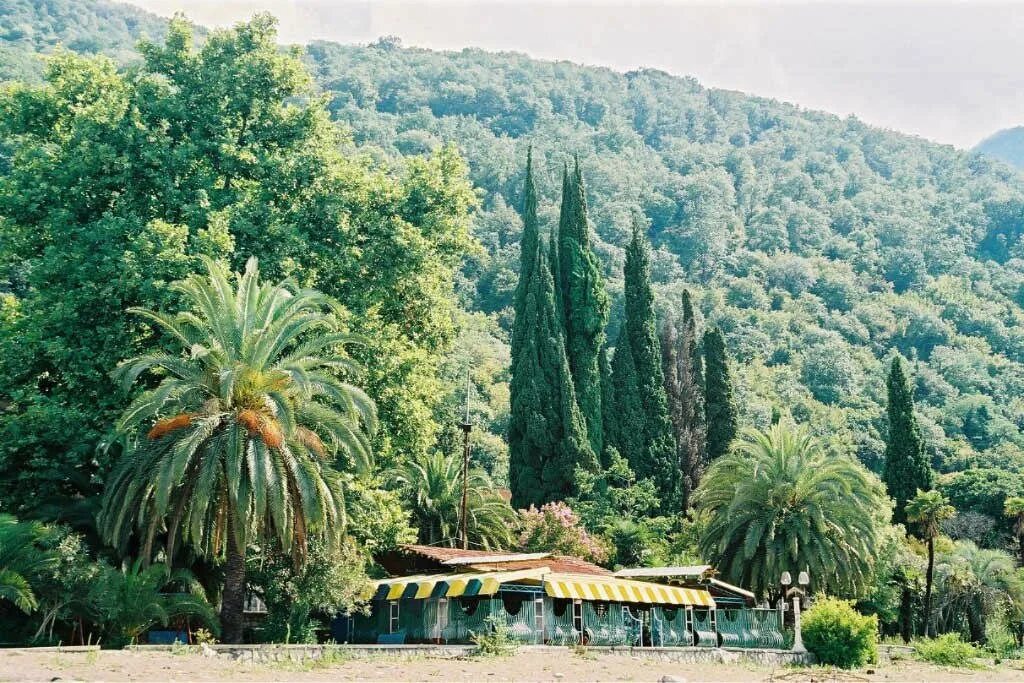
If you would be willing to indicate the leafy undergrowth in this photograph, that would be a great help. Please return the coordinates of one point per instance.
(949, 649)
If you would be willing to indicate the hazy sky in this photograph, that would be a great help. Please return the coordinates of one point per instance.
(952, 72)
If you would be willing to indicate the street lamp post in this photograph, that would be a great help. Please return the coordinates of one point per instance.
(796, 593)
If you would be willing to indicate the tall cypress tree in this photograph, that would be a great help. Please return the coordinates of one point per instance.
(720, 412)
(584, 301)
(684, 388)
(906, 461)
(547, 434)
(609, 420)
(531, 234)
(643, 431)
(565, 222)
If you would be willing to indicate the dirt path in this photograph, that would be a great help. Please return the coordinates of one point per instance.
(557, 667)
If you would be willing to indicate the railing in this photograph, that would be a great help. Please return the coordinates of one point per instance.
(604, 623)
(750, 628)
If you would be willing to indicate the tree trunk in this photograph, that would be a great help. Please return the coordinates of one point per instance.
(1020, 546)
(928, 589)
(976, 624)
(232, 602)
(906, 614)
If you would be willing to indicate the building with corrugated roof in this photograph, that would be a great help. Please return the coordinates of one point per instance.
(448, 595)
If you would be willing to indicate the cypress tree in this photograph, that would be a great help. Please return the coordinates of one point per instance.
(609, 419)
(547, 434)
(531, 234)
(584, 301)
(684, 387)
(721, 417)
(529, 244)
(565, 222)
(906, 461)
(624, 433)
(643, 430)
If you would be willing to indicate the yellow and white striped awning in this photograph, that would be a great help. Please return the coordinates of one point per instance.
(454, 585)
(587, 587)
(572, 586)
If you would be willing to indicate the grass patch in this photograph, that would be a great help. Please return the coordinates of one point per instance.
(949, 649)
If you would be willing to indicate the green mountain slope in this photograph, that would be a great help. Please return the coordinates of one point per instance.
(818, 244)
(1007, 145)
(29, 28)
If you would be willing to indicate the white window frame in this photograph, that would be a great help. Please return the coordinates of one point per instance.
(393, 615)
(538, 618)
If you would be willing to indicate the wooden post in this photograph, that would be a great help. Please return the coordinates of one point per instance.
(467, 427)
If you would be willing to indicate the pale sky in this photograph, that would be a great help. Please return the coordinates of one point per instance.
(951, 72)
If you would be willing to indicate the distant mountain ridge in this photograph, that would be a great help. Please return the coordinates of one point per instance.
(819, 245)
(1006, 145)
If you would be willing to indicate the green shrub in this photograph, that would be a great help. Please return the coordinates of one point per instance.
(495, 641)
(949, 649)
(838, 635)
(999, 639)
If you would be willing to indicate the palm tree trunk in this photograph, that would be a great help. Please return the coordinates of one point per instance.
(928, 589)
(233, 597)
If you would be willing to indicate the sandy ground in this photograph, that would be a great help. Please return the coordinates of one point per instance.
(558, 667)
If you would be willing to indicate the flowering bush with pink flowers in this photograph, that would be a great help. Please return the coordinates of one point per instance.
(555, 528)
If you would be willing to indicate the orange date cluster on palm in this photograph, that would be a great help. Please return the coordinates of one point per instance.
(168, 425)
(267, 427)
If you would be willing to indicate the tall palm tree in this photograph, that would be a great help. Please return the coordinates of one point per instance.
(1014, 509)
(975, 584)
(237, 438)
(433, 486)
(778, 502)
(20, 560)
(928, 510)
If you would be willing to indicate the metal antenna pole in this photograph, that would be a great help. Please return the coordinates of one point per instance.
(467, 427)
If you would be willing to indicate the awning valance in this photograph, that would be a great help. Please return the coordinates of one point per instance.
(572, 586)
(585, 587)
(450, 585)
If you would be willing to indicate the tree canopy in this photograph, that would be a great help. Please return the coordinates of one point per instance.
(778, 502)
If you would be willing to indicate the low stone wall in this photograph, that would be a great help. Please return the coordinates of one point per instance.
(890, 653)
(720, 655)
(299, 653)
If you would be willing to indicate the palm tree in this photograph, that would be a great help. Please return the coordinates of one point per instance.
(130, 600)
(778, 502)
(433, 486)
(1014, 509)
(928, 509)
(252, 414)
(975, 584)
(20, 560)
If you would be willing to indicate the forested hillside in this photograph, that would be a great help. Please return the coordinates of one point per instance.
(1007, 145)
(819, 245)
(30, 28)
